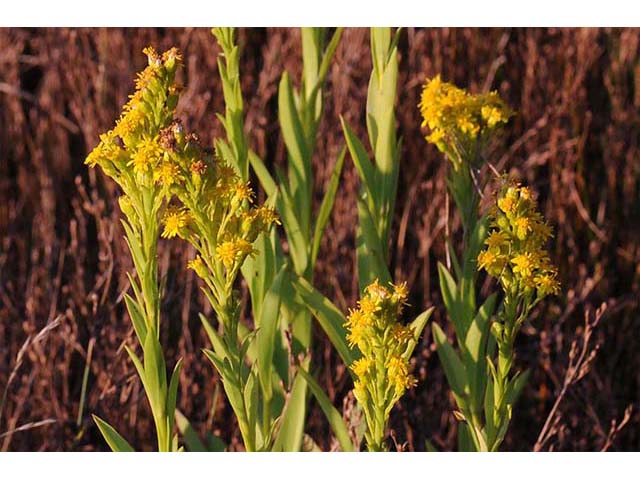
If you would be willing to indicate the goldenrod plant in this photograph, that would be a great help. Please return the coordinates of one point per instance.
(135, 155)
(379, 179)
(281, 395)
(299, 116)
(216, 216)
(460, 125)
(514, 254)
(382, 372)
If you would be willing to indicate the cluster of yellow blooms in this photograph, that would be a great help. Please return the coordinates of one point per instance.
(216, 213)
(458, 121)
(149, 151)
(515, 252)
(131, 152)
(382, 373)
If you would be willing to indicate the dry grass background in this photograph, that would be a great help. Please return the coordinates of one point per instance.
(62, 255)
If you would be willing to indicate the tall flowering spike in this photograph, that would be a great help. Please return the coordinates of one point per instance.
(515, 250)
(134, 156)
(458, 121)
(131, 152)
(382, 373)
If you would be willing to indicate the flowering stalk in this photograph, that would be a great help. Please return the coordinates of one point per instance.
(376, 368)
(299, 115)
(215, 215)
(133, 154)
(460, 125)
(382, 371)
(515, 254)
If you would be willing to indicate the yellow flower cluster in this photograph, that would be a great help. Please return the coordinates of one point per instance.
(131, 152)
(218, 215)
(382, 373)
(515, 252)
(151, 156)
(456, 118)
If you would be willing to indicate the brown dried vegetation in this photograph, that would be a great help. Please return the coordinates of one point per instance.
(63, 259)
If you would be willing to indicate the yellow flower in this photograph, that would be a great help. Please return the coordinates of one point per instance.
(226, 252)
(198, 266)
(358, 324)
(131, 121)
(176, 220)
(146, 156)
(523, 227)
(488, 259)
(400, 293)
(401, 334)
(547, 284)
(368, 306)
(453, 115)
(242, 191)
(377, 293)
(167, 174)
(362, 366)
(398, 372)
(496, 240)
(524, 263)
(507, 204)
(232, 251)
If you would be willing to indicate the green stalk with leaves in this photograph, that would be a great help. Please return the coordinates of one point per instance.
(133, 154)
(270, 401)
(371, 341)
(460, 126)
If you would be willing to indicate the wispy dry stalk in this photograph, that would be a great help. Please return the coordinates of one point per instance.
(581, 357)
(28, 426)
(42, 335)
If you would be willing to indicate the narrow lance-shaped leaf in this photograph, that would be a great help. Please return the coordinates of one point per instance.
(453, 367)
(327, 205)
(330, 318)
(333, 416)
(113, 438)
(289, 438)
(269, 320)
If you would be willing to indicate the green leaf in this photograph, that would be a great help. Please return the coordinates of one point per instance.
(465, 442)
(336, 421)
(216, 360)
(214, 337)
(289, 437)
(298, 244)
(327, 205)
(449, 290)
(251, 400)
(139, 367)
(155, 371)
(330, 318)
(474, 352)
(113, 438)
(264, 177)
(489, 412)
(362, 163)
(370, 251)
(136, 318)
(516, 385)
(215, 443)
(190, 436)
(172, 395)
(294, 139)
(266, 336)
(328, 54)
(453, 367)
(417, 326)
